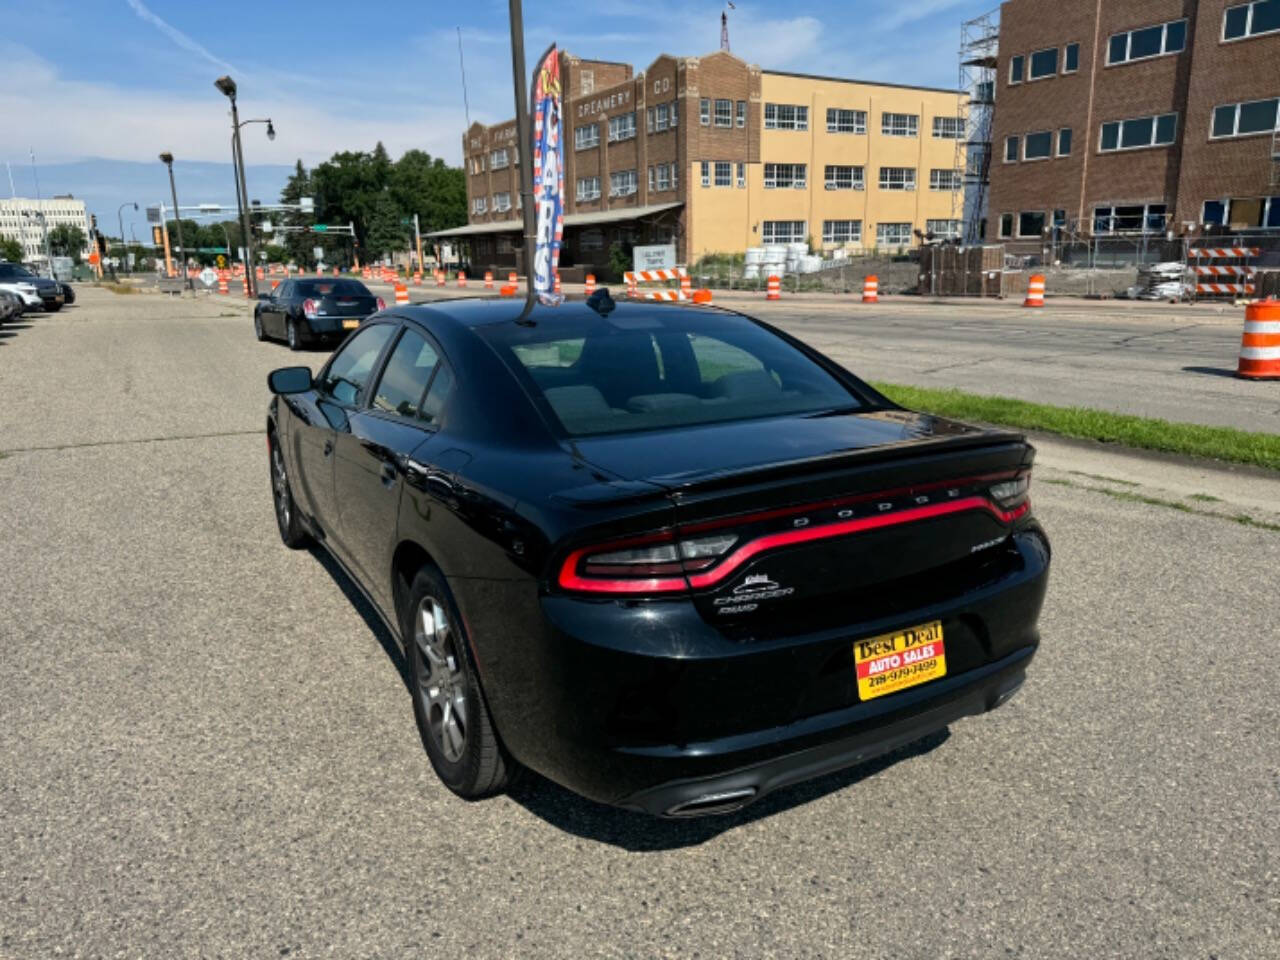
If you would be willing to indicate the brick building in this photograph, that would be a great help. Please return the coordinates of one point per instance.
(716, 155)
(1116, 119)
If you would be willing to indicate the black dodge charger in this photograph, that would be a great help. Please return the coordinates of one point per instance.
(307, 310)
(669, 557)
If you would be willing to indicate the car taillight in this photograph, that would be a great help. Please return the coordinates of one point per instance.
(652, 565)
(309, 308)
(1010, 493)
(382, 304)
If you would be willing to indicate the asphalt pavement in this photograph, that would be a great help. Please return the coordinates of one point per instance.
(209, 748)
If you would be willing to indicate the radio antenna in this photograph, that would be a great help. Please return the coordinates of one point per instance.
(463, 68)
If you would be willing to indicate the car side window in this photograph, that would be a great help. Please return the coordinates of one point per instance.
(438, 393)
(406, 374)
(351, 368)
(284, 291)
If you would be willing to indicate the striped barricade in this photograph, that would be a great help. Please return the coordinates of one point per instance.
(634, 279)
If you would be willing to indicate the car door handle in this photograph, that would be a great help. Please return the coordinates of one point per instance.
(328, 447)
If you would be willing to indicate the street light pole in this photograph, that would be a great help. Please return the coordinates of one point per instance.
(227, 87)
(44, 221)
(167, 159)
(120, 221)
(524, 131)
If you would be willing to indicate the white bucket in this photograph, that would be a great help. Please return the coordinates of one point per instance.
(755, 255)
(750, 271)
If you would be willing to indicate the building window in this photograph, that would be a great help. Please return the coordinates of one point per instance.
(778, 175)
(704, 112)
(841, 231)
(1044, 63)
(742, 113)
(479, 204)
(1245, 119)
(499, 159)
(588, 189)
(1139, 132)
(948, 128)
(742, 175)
(622, 127)
(706, 173)
(1011, 145)
(724, 113)
(1157, 41)
(661, 117)
(502, 202)
(675, 113)
(724, 173)
(1015, 69)
(844, 178)
(1006, 224)
(1071, 58)
(945, 180)
(586, 137)
(1037, 146)
(622, 183)
(897, 178)
(648, 120)
(946, 229)
(591, 240)
(665, 176)
(652, 180)
(1251, 19)
(785, 116)
(1031, 223)
(899, 124)
(1134, 218)
(893, 234)
(1064, 142)
(783, 231)
(840, 120)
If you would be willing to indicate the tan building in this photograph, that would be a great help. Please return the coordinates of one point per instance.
(717, 155)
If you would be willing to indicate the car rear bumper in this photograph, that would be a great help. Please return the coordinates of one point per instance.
(646, 705)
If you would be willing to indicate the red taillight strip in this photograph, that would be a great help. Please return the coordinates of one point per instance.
(569, 578)
(846, 501)
(807, 534)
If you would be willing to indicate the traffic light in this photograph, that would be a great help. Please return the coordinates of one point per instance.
(157, 237)
(93, 223)
(101, 243)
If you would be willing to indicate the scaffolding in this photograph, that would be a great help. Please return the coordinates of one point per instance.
(979, 48)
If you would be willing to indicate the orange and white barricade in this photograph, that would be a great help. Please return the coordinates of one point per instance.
(686, 286)
(260, 274)
(590, 287)
(871, 289)
(364, 272)
(223, 286)
(488, 279)
(1225, 279)
(462, 279)
(440, 280)
(417, 279)
(555, 284)
(773, 289)
(513, 279)
(1035, 291)
(402, 292)
(657, 276)
(274, 284)
(1260, 345)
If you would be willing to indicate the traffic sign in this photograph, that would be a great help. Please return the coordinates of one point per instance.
(209, 276)
(319, 227)
(318, 252)
(153, 214)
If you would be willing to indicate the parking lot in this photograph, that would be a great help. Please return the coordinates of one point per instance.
(209, 748)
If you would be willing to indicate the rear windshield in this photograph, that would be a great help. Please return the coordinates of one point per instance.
(662, 368)
(332, 288)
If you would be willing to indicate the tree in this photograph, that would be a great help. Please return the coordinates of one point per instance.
(66, 240)
(10, 249)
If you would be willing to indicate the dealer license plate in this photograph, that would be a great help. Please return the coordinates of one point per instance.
(350, 324)
(894, 661)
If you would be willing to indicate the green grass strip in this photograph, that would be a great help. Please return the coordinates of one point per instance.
(1191, 439)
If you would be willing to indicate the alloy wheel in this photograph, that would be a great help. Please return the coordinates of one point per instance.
(442, 688)
(257, 326)
(280, 486)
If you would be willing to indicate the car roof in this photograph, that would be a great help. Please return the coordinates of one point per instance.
(482, 311)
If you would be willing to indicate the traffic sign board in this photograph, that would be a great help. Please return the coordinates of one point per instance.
(320, 227)
(208, 276)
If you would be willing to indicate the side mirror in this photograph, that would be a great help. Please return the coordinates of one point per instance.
(264, 296)
(289, 380)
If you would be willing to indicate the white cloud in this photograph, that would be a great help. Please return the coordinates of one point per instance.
(177, 36)
(104, 120)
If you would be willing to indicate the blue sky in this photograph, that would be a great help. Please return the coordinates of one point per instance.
(124, 79)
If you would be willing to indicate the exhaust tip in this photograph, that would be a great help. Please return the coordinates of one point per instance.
(709, 804)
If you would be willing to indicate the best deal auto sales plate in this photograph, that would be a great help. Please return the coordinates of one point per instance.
(894, 661)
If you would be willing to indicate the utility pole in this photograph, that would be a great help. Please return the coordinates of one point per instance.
(164, 230)
(227, 87)
(167, 159)
(417, 234)
(44, 222)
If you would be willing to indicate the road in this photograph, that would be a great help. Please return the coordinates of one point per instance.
(209, 748)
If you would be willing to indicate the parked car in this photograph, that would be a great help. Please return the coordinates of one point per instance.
(48, 292)
(667, 556)
(308, 310)
(68, 292)
(11, 305)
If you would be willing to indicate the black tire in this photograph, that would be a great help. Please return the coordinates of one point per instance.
(446, 688)
(291, 330)
(257, 327)
(54, 307)
(292, 533)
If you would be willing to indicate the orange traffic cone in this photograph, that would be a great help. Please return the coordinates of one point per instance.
(1260, 345)
(1035, 291)
(871, 289)
(773, 287)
